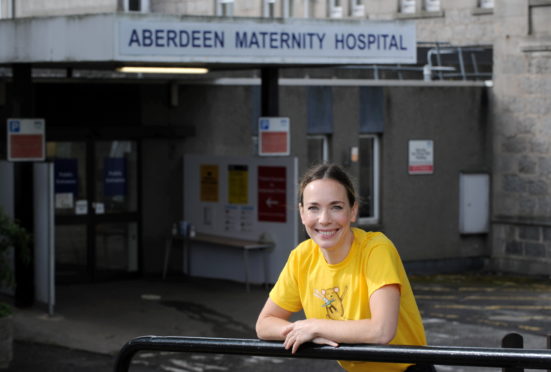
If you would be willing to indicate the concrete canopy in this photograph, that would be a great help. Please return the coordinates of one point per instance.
(111, 40)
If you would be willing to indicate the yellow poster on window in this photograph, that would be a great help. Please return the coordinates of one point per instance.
(209, 183)
(238, 181)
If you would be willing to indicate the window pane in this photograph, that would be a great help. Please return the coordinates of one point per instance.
(134, 5)
(315, 151)
(366, 176)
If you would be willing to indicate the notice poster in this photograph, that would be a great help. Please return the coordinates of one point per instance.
(272, 194)
(209, 182)
(66, 178)
(421, 159)
(238, 182)
(114, 177)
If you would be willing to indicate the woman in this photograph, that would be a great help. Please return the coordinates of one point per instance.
(350, 283)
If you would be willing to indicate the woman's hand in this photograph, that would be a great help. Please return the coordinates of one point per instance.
(303, 331)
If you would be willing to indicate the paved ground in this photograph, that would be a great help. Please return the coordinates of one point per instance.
(92, 322)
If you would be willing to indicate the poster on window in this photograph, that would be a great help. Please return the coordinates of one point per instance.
(65, 182)
(421, 159)
(114, 177)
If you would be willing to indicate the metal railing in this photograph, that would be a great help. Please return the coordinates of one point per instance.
(509, 359)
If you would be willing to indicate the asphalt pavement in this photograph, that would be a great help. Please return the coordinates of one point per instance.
(92, 322)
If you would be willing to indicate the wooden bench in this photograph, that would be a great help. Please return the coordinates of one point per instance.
(244, 245)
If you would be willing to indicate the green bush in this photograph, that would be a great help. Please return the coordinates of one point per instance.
(11, 235)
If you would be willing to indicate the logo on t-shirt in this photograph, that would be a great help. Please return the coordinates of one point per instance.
(332, 302)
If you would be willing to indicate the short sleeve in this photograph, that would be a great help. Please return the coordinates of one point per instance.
(286, 293)
(383, 266)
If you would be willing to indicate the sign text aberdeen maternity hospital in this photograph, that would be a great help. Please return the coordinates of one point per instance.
(247, 42)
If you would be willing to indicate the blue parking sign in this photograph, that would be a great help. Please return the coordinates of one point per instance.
(15, 126)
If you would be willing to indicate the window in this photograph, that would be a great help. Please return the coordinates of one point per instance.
(309, 9)
(6, 10)
(224, 8)
(487, 4)
(268, 8)
(318, 149)
(334, 9)
(287, 8)
(368, 179)
(136, 6)
(407, 6)
(357, 8)
(432, 5)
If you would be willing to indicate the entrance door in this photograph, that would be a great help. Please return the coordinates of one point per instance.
(96, 204)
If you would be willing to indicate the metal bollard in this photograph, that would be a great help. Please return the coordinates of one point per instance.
(513, 340)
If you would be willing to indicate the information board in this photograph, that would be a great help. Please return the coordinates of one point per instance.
(247, 198)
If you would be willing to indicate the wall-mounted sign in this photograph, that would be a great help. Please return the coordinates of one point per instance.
(421, 157)
(238, 184)
(273, 136)
(288, 42)
(26, 139)
(209, 182)
(272, 194)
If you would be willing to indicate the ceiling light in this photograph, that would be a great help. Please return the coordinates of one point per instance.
(162, 70)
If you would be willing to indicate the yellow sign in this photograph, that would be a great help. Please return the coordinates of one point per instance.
(209, 183)
(238, 182)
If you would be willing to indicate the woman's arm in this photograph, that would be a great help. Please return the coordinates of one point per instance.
(271, 321)
(379, 329)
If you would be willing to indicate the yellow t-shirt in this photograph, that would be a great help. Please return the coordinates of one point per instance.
(342, 291)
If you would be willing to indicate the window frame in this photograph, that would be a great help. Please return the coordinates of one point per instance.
(6, 9)
(269, 8)
(144, 6)
(375, 218)
(325, 146)
(224, 8)
(334, 9)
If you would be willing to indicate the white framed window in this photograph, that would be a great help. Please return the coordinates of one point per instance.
(317, 149)
(357, 8)
(334, 9)
(224, 8)
(287, 7)
(487, 4)
(268, 8)
(141, 6)
(6, 9)
(407, 6)
(368, 178)
(432, 5)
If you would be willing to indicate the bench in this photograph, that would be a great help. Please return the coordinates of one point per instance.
(224, 241)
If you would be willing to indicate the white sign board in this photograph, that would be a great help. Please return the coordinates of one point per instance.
(273, 136)
(421, 159)
(26, 139)
(251, 41)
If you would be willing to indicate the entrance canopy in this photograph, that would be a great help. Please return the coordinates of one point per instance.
(115, 39)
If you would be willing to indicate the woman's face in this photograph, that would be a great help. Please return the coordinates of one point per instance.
(327, 214)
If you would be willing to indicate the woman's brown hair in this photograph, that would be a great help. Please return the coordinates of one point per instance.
(328, 171)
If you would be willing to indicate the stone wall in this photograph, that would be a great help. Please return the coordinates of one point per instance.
(522, 137)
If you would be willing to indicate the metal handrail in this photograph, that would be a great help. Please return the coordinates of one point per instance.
(442, 355)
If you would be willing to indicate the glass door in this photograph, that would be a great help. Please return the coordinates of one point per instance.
(96, 206)
(116, 207)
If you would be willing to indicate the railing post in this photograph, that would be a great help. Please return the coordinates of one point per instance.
(512, 340)
(549, 347)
